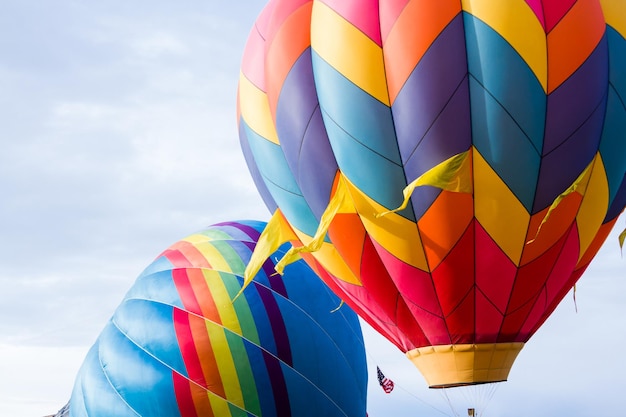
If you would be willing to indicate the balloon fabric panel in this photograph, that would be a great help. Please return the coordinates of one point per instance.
(344, 46)
(255, 108)
(515, 22)
(354, 139)
(410, 30)
(254, 169)
(572, 40)
(612, 144)
(432, 104)
(282, 185)
(291, 42)
(310, 154)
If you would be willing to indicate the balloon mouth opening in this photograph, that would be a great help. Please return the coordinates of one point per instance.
(448, 366)
(463, 384)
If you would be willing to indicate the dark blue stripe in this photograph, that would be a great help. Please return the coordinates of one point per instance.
(448, 136)
(279, 331)
(573, 102)
(427, 94)
(562, 166)
(279, 385)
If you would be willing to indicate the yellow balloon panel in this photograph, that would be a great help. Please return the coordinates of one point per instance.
(398, 235)
(255, 110)
(594, 206)
(498, 210)
(615, 14)
(349, 51)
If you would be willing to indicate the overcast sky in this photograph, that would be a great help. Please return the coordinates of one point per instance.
(118, 134)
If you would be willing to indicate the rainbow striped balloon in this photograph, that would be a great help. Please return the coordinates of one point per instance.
(502, 122)
(179, 346)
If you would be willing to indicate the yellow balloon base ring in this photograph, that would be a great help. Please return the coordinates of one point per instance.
(445, 366)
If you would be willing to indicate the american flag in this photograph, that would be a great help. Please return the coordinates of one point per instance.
(384, 382)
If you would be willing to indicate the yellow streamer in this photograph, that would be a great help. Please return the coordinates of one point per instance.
(276, 232)
(572, 188)
(622, 238)
(453, 174)
(340, 202)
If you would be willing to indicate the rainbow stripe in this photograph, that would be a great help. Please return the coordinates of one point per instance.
(179, 346)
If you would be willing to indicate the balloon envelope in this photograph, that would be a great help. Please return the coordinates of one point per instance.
(510, 117)
(179, 346)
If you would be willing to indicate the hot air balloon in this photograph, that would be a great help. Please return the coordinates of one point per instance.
(449, 168)
(178, 345)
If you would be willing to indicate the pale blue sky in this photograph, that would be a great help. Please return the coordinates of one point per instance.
(118, 133)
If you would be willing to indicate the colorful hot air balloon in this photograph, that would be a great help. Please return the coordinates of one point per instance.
(503, 122)
(178, 345)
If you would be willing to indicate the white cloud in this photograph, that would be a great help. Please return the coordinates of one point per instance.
(157, 44)
(44, 373)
